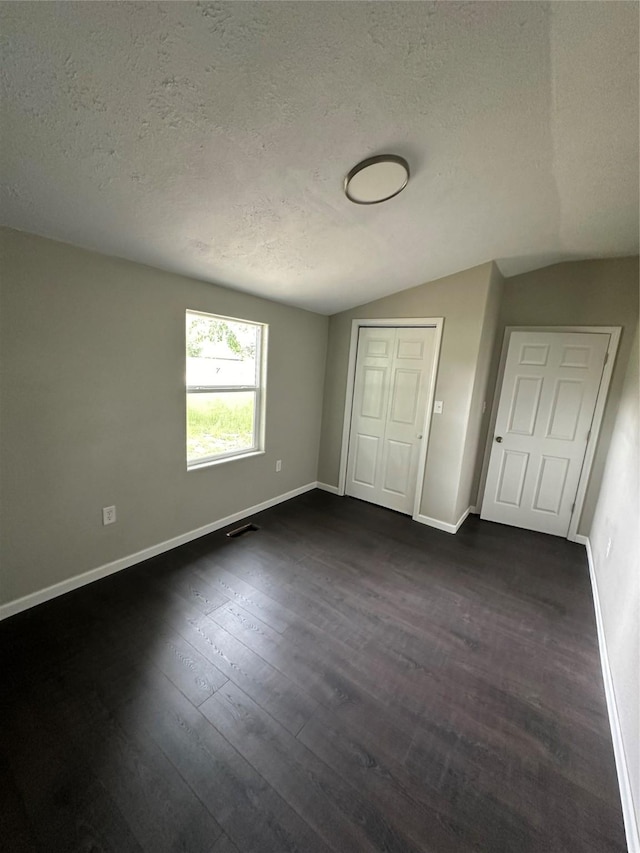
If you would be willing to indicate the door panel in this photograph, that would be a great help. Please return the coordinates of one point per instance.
(552, 479)
(548, 396)
(565, 409)
(411, 349)
(366, 453)
(391, 389)
(377, 346)
(397, 469)
(404, 402)
(372, 403)
(524, 406)
(534, 355)
(512, 474)
(576, 357)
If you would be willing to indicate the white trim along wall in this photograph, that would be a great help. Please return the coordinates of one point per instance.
(42, 595)
(442, 525)
(622, 767)
(39, 597)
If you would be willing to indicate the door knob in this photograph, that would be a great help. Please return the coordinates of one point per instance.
(419, 435)
(499, 439)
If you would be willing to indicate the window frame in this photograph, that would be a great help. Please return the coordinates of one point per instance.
(258, 389)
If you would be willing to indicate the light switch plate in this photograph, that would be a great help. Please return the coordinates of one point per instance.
(437, 407)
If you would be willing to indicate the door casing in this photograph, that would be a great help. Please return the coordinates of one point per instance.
(436, 323)
(614, 333)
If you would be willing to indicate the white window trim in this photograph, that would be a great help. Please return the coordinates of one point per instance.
(220, 460)
(259, 390)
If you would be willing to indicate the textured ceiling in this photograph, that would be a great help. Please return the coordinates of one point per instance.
(211, 139)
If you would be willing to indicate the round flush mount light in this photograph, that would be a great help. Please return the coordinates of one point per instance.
(377, 179)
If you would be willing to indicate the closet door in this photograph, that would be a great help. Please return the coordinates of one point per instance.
(393, 373)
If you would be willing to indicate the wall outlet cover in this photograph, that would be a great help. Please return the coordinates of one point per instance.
(108, 514)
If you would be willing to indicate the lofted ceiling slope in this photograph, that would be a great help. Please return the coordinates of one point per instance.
(212, 139)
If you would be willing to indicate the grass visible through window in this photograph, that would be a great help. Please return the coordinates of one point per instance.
(219, 423)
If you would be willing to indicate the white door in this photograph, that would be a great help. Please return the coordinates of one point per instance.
(548, 397)
(394, 367)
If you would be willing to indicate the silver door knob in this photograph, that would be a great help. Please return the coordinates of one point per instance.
(499, 439)
(419, 435)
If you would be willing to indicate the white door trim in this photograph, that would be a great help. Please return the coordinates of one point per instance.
(614, 333)
(436, 323)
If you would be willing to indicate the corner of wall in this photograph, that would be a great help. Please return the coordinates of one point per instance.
(614, 557)
(629, 816)
(480, 404)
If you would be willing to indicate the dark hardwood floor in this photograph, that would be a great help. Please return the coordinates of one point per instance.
(343, 679)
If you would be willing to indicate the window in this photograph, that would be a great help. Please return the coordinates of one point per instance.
(225, 388)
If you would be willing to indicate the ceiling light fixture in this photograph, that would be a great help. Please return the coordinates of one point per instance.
(376, 179)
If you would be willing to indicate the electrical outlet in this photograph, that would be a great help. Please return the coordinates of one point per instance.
(278, 466)
(437, 407)
(108, 514)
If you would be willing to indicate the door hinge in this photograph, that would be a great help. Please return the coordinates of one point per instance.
(573, 506)
(606, 356)
(588, 435)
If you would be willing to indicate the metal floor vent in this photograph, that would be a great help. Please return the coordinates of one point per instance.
(240, 531)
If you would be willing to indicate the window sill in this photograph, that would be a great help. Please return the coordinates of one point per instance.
(208, 463)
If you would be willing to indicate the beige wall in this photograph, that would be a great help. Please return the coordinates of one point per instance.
(589, 293)
(92, 396)
(617, 518)
(92, 410)
(462, 300)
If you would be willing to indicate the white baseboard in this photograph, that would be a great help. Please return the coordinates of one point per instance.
(622, 767)
(334, 490)
(435, 522)
(443, 525)
(34, 598)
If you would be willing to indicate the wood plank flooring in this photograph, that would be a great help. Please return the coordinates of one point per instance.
(341, 680)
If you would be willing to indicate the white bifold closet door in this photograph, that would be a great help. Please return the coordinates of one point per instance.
(394, 367)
